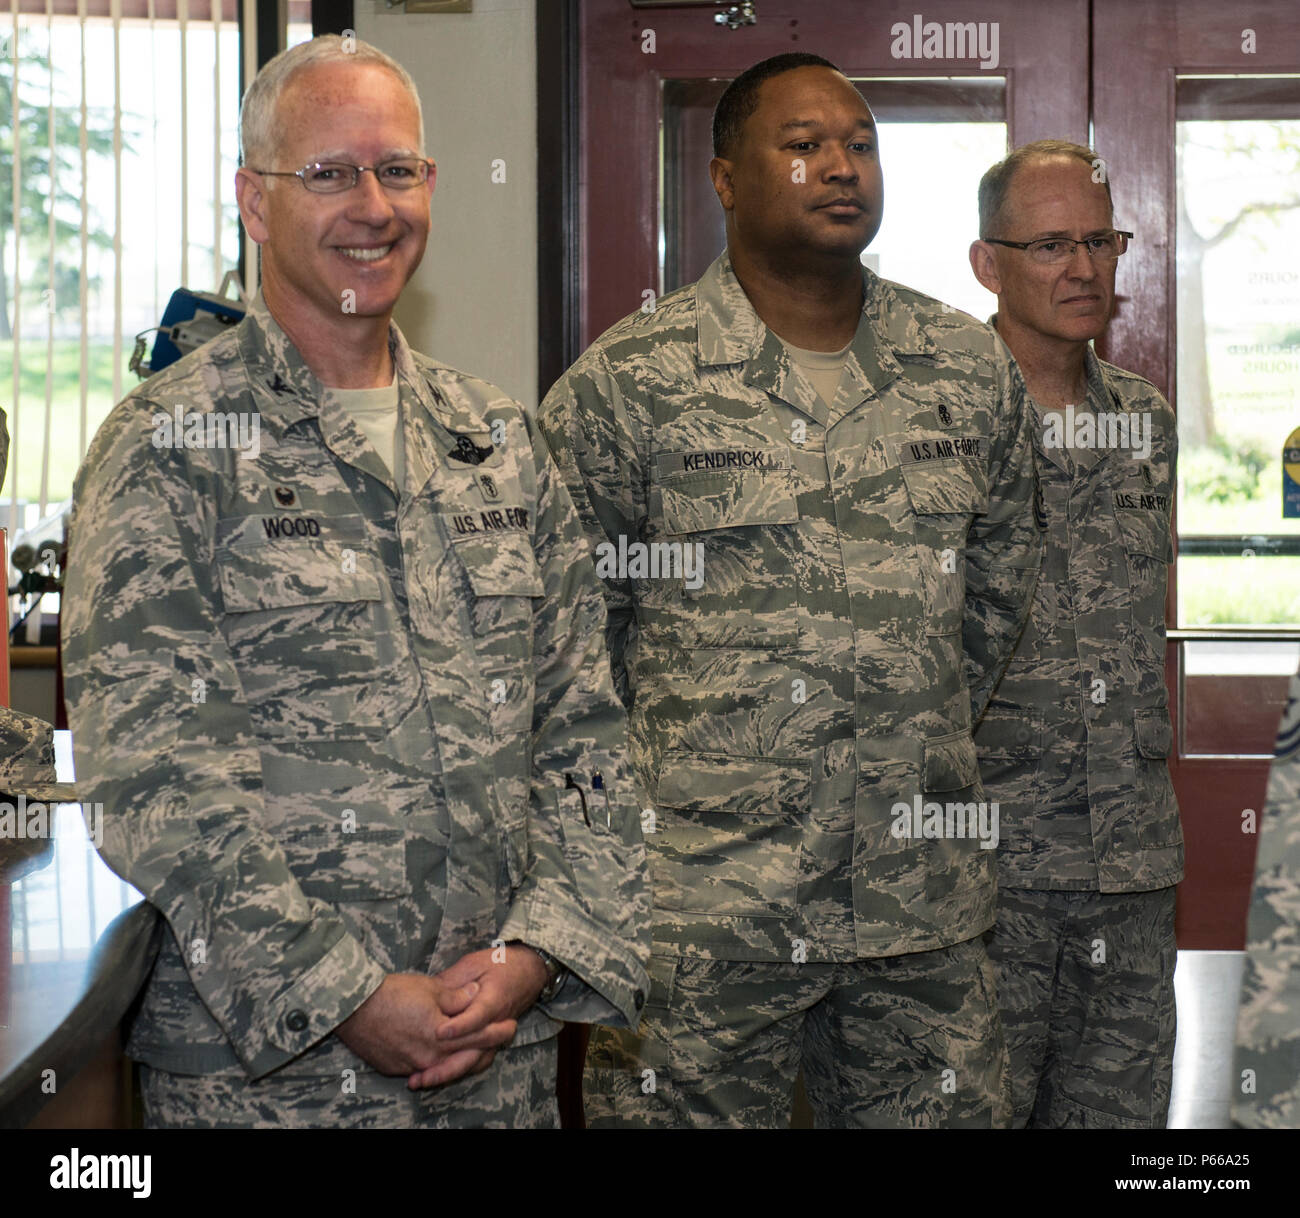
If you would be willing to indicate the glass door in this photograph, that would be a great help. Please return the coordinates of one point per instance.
(1197, 113)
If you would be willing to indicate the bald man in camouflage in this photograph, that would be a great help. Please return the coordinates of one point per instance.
(1075, 743)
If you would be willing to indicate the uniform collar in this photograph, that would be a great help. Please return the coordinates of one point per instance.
(288, 392)
(731, 332)
(1101, 396)
(286, 389)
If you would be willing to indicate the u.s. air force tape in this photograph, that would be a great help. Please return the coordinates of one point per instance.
(486, 520)
(940, 448)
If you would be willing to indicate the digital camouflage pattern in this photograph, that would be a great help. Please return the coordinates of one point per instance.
(1085, 983)
(1074, 747)
(1268, 1021)
(891, 1042)
(27, 760)
(330, 725)
(867, 569)
(1075, 743)
(518, 1092)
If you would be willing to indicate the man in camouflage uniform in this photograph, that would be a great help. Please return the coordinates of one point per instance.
(1075, 742)
(868, 553)
(330, 687)
(1266, 1087)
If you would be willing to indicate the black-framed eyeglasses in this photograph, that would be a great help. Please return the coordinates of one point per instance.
(1102, 247)
(334, 177)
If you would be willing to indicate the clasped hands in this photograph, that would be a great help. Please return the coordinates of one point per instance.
(440, 1028)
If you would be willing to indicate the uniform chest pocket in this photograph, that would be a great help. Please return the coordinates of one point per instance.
(730, 835)
(944, 498)
(305, 625)
(505, 582)
(737, 586)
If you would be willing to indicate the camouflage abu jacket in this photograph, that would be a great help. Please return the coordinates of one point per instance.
(1075, 743)
(1268, 1022)
(857, 577)
(330, 729)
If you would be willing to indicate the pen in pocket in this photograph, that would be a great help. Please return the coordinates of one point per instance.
(598, 784)
(569, 784)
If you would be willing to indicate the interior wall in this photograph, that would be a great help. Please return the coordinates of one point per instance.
(473, 301)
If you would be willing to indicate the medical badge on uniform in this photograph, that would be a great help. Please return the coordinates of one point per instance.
(1146, 473)
(285, 496)
(488, 485)
(469, 452)
(945, 415)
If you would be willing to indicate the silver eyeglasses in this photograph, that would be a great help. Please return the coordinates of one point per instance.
(334, 177)
(1103, 247)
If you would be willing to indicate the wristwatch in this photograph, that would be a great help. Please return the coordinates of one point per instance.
(555, 971)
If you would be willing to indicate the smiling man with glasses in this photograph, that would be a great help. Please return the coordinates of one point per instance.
(329, 693)
(1075, 741)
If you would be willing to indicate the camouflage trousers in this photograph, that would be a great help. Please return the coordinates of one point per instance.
(517, 1091)
(1086, 986)
(895, 1042)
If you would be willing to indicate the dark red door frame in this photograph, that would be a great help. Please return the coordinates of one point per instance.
(1144, 46)
(1045, 61)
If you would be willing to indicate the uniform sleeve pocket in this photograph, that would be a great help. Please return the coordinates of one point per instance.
(515, 840)
(943, 488)
(504, 565)
(504, 579)
(950, 763)
(1146, 533)
(1155, 734)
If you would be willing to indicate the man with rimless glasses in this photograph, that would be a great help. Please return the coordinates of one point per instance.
(1075, 741)
(329, 688)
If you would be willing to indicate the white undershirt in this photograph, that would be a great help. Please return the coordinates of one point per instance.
(822, 368)
(375, 412)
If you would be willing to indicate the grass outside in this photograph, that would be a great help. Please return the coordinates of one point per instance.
(1237, 590)
(65, 409)
(1216, 591)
